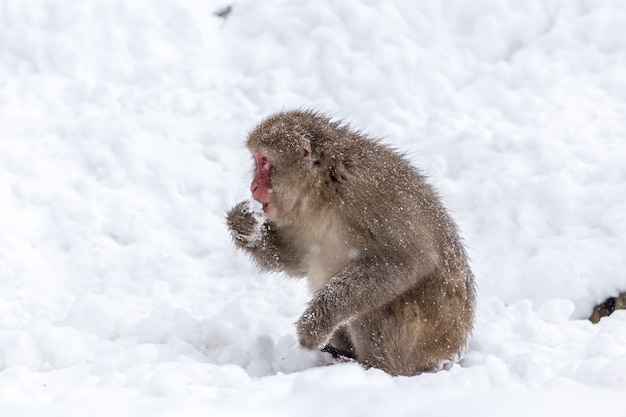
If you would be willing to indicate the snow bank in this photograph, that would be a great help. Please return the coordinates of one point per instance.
(122, 128)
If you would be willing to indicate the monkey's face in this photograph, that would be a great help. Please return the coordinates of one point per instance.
(284, 183)
(287, 168)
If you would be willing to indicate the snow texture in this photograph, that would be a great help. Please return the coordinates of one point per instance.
(122, 128)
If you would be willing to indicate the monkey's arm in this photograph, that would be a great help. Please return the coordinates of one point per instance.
(254, 234)
(358, 289)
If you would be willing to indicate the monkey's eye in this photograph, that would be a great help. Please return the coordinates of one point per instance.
(263, 161)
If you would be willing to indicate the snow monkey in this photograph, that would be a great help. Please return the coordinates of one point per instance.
(391, 284)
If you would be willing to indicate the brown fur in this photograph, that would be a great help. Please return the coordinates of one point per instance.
(608, 306)
(391, 282)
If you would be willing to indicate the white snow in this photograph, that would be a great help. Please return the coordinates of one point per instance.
(121, 147)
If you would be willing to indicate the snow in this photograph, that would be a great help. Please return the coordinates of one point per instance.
(122, 128)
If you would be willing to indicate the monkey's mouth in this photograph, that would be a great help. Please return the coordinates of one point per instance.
(268, 209)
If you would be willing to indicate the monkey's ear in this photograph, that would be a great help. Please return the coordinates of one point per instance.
(308, 153)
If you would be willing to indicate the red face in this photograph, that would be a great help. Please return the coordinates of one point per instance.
(261, 187)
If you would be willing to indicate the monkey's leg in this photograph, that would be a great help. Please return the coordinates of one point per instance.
(392, 339)
(357, 290)
(408, 336)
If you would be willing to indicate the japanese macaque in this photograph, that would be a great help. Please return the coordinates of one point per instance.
(608, 306)
(391, 284)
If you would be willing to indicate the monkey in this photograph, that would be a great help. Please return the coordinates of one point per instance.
(390, 278)
(607, 307)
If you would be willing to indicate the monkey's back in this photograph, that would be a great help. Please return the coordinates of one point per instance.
(407, 224)
(385, 197)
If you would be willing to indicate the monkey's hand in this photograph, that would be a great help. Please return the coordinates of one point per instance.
(314, 329)
(245, 222)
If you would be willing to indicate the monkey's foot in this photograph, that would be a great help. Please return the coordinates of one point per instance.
(341, 355)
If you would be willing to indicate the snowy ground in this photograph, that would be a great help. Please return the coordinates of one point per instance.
(121, 133)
